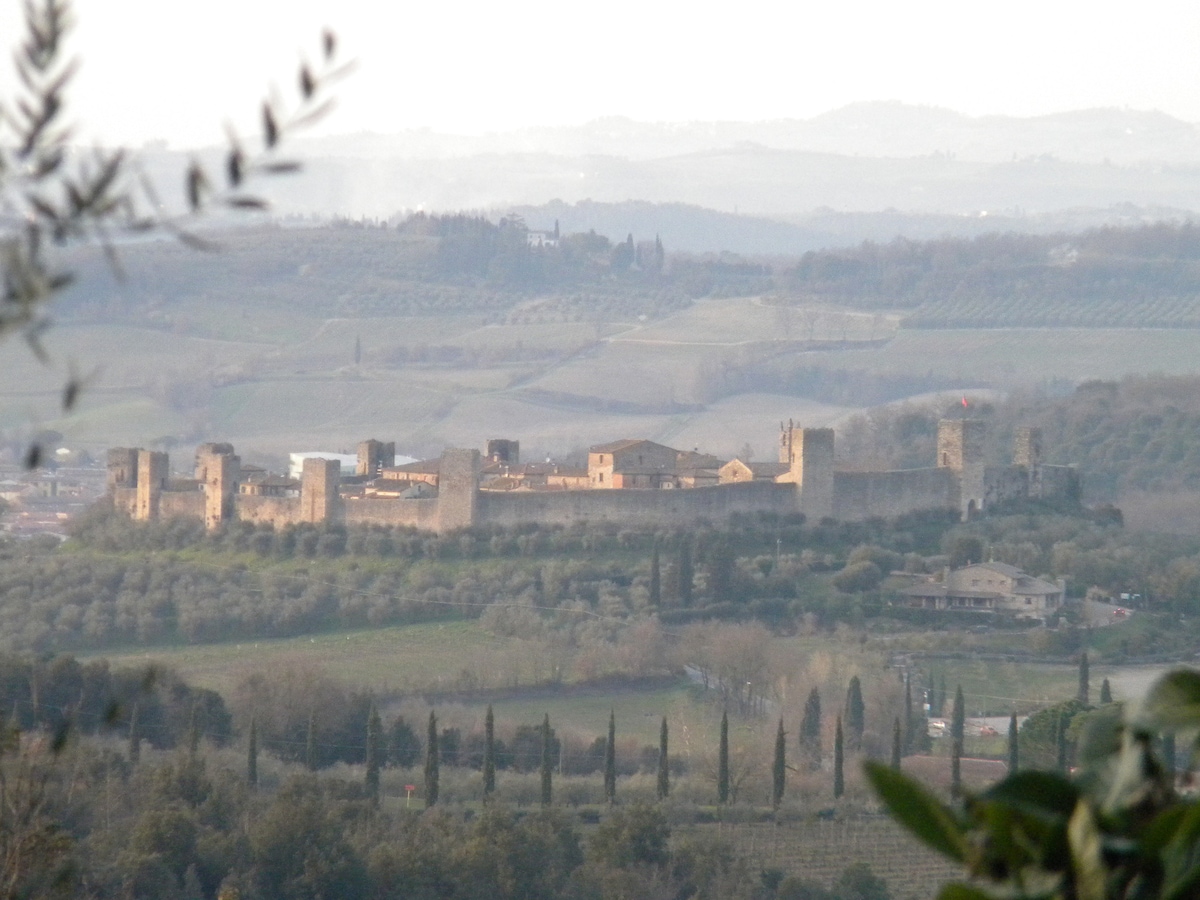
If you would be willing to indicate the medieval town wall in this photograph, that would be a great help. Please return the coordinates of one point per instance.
(1058, 482)
(260, 510)
(189, 504)
(140, 485)
(1004, 483)
(416, 513)
(865, 495)
(636, 507)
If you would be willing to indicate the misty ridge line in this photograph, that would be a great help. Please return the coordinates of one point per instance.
(889, 129)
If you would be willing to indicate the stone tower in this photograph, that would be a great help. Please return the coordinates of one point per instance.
(319, 500)
(374, 456)
(808, 454)
(122, 468)
(1027, 453)
(218, 470)
(1027, 447)
(960, 448)
(502, 450)
(458, 489)
(153, 467)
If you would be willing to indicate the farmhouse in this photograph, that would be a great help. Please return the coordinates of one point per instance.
(988, 588)
(634, 480)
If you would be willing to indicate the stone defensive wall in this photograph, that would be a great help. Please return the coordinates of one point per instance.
(804, 482)
(637, 507)
(860, 495)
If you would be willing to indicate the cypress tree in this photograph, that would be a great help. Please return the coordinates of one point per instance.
(958, 724)
(431, 762)
(1060, 742)
(664, 769)
(723, 762)
(686, 573)
(779, 768)
(1105, 692)
(1014, 753)
(547, 769)
(655, 578)
(610, 759)
(897, 749)
(1084, 679)
(839, 760)
(252, 755)
(374, 754)
(810, 729)
(193, 733)
(941, 707)
(856, 718)
(135, 736)
(310, 744)
(489, 755)
(909, 731)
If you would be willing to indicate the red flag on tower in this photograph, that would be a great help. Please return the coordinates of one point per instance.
(964, 403)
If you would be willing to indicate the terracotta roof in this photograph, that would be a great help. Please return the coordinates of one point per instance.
(768, 468)
(614, 446)
(421, 466)
(693, 459)
(279, 481)
(1001, 568)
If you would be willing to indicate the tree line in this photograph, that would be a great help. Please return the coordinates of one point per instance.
(1107, 277)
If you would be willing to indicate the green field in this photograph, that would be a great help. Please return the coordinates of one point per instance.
(1011, 356)
(273, 379)
(428, 655)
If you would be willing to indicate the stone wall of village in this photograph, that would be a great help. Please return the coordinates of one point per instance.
(632, 481)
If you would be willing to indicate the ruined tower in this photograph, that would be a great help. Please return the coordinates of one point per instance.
(374, 456)
(960, 448)
(808, 454)
(458, 489)
(319, 500)
(153, 467)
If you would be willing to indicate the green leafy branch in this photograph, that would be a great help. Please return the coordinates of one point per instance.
(53, 194)
(1117, 830)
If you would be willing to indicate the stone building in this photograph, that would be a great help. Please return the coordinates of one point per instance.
(988, 588)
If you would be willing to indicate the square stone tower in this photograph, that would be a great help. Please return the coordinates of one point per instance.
(1027, 453)
(319, 500)
(222, 472)
(458, 489)
(809, 458)
(152, 470)
(122, 468)
(502, 450)
(1027, 447)
(960, 448)
(374, 456)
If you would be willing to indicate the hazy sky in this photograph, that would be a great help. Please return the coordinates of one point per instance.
(178, 69)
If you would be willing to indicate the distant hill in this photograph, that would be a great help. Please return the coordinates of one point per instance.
(874, 129)
(867, 159)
